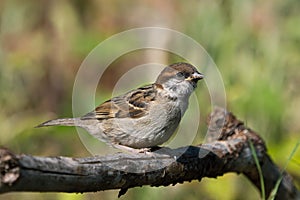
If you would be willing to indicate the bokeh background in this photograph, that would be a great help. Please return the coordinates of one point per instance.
(255, 44)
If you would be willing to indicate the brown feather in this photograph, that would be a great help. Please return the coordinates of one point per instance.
(133, 104)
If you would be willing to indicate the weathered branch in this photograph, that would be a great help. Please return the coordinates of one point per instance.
(227, 151)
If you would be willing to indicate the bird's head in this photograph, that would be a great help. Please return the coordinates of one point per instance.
(180, 78)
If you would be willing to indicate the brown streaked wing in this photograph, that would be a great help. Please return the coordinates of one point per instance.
(133, 104)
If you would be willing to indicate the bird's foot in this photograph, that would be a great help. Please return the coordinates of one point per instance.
(146, 151)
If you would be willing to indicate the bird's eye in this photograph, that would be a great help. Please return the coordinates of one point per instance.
(180, 75)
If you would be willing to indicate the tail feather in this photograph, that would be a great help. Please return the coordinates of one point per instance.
(59, 122)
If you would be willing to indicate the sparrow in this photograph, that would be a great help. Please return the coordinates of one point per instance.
(144, 117)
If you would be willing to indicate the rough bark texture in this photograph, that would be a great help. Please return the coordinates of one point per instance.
(227, 150)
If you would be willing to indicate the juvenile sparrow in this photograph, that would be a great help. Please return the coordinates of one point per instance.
(144, 117)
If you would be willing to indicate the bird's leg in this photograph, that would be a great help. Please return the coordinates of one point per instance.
(133, 150)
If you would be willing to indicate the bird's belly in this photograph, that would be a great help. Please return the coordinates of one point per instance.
(148, 131)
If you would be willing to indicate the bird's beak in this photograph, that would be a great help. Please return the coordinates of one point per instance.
(196, 76)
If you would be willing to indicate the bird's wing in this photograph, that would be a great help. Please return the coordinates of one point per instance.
(133, 104)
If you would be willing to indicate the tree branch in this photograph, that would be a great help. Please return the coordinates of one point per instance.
(227, 150)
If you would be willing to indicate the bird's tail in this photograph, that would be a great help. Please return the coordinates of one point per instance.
(60, 122)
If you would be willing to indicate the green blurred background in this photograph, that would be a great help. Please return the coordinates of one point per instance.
(255, 44)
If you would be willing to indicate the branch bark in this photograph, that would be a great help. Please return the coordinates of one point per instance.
(227, 150)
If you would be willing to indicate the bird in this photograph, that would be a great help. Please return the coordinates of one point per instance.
(142, 118)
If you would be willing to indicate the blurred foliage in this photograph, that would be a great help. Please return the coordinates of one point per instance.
(255, 44)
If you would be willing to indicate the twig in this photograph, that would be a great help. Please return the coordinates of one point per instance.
(227, 151)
